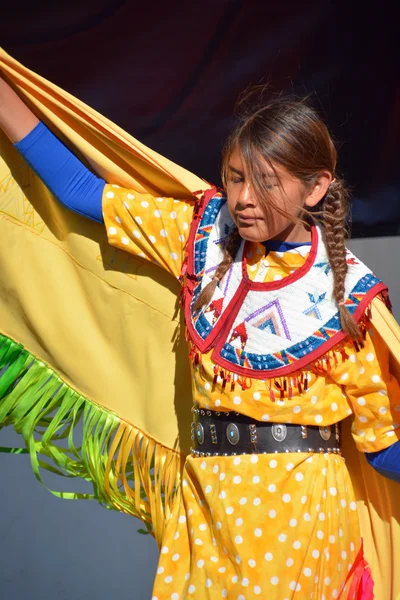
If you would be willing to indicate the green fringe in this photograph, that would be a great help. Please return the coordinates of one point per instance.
(45, 411)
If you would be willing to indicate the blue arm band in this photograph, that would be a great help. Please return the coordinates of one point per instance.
(62, 172)
(387, 461)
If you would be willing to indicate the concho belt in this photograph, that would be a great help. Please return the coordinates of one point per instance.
(230, 433)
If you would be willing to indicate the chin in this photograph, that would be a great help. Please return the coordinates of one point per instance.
(252, 236)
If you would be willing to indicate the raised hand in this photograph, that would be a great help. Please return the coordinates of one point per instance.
(16, 119)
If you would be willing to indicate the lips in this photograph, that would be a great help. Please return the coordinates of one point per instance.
(246, 220)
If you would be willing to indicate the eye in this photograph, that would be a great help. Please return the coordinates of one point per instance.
(236, 179)
(270, 186)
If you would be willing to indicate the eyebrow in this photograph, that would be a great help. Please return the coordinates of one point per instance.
(236, 170)
(269, 174)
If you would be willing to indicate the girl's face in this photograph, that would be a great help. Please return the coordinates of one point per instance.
(258, 223)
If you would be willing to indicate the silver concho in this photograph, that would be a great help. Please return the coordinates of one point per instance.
(199, 433)
(279, 432)
(325, 432)
(232, 433)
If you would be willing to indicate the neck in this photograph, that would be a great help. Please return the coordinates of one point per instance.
(279, 246)
(295, 233)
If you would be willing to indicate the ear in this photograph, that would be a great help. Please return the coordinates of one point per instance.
(318, 190)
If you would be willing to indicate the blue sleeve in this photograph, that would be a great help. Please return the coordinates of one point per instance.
(62, 172)
(387, 461)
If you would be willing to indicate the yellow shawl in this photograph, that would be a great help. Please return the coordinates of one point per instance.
(90, 334)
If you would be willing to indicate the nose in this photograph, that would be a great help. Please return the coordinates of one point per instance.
(246, 196)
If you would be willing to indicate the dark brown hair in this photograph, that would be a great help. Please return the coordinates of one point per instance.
(288, 132)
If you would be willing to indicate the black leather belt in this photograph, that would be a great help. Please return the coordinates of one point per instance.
(229, 434)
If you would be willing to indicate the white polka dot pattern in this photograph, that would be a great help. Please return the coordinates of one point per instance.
(152, 228)
(261, 526)
(271, 548)
(329, 399)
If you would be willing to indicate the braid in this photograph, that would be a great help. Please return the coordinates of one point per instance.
(230, 251)
(334, 219)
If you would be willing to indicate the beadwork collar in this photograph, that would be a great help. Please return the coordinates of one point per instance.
(265, 330)
(285, 281)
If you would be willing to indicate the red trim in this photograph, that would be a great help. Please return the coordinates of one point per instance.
(231, 310)
(301, 363)
(276, 285)
(192, 281)
(223, 322)
(198, 213)
(246, 285)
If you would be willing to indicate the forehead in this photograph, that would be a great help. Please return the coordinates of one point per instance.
(236, 163)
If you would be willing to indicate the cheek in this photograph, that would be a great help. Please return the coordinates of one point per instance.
(231, 203)
(291, 200)
(297, 195)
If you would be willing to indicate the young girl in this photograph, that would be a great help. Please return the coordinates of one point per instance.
(277, 314)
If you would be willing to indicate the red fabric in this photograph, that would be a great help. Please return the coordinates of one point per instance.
(216, 340)
(362, 585)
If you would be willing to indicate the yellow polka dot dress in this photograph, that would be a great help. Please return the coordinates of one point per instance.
(271, 526)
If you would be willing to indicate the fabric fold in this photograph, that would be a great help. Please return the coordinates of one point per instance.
(69, 435)
(90, 335)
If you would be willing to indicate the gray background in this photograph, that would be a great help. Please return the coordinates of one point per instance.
(78, 550)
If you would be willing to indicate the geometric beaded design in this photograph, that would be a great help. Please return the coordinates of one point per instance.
(275, 324)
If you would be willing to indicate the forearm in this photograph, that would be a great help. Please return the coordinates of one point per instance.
(387, 462)
(62, 172)
(16, 119)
